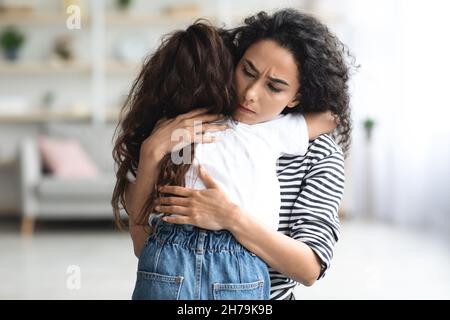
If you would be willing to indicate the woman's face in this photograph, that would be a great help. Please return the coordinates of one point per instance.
(266, 80)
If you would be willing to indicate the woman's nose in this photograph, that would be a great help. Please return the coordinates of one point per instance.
(251, 94)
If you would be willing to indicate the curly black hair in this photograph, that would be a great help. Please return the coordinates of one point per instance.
(321, 57)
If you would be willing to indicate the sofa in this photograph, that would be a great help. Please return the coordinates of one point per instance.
(46, 196)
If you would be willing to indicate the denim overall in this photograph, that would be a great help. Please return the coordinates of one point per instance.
(183, 262)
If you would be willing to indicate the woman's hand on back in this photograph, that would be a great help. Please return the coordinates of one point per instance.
(209, 208)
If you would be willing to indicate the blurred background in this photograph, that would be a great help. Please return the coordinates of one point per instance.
(66, 67)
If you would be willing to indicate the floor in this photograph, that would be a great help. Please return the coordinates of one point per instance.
(372, 261)
(379, 261)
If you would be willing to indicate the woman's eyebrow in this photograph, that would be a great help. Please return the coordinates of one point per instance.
(252, 66)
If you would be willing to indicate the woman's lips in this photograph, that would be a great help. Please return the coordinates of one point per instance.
(243, 109)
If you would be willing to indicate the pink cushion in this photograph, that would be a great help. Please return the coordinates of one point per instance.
(66, 158)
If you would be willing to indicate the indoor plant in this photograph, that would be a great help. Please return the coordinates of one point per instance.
(11, 40)
(124, 4)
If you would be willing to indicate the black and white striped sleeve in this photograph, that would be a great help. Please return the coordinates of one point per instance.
(311, 188)
(318, 201)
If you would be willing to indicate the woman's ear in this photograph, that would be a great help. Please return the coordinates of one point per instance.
(292, 104)
(295, 102)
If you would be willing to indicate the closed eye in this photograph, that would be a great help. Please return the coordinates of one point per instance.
(247, 73)
(272, 88)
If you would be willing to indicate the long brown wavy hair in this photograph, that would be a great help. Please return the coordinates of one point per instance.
(191, 69)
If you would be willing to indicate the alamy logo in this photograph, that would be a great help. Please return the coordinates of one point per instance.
(184, 138)
(73, 21)
(74, 279)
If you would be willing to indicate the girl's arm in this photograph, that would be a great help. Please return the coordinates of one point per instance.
(153, 149)
(135, 197)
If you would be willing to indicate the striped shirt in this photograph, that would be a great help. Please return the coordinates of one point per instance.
(312, 187)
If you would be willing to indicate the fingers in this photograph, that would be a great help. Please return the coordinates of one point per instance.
(172, 209)
(192, 113)
(208, 118)
(176, 190)
(199, 131)
(213, 127)
(206, 178)
(332, 119)
(160, 121)
(205, 139)
(336, 119)
(199, 115)
(199, 119)
(188, 140)
(178, 201)
(177, 220)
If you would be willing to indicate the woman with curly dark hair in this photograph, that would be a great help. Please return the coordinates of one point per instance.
(287, 63)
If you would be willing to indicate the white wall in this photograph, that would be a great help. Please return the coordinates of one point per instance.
(402, 84)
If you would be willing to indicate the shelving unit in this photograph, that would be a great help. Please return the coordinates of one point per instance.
(45, 116)
(118, 67)
(36, 19)
(98, 70)
(42, 68)
(136, 20)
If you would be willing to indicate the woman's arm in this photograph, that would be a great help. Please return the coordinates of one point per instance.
(211, 209)
(288, 256)
(312, 216)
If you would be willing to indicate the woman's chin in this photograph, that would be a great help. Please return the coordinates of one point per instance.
(238, 116)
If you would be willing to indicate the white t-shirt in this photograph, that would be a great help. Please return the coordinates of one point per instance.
(243, 162)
